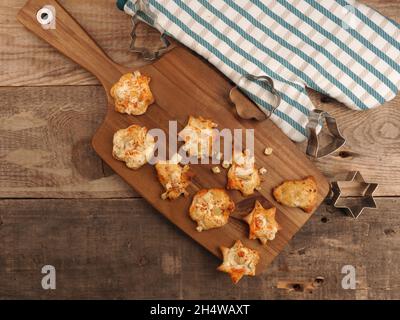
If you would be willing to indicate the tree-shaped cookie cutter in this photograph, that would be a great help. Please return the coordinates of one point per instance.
(315, 121)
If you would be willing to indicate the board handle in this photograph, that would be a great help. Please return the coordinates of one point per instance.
(65, 34)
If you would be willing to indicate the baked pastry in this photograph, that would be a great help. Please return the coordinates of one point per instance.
(211, 208)
(199, 136)
(174, 178)
(298, 193)
(133, 145)
(132, 94)
(239, 261)
(243, 175)
(262, 223)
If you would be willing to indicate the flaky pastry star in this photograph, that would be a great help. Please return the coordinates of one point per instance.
(262, 223)
(239, 261)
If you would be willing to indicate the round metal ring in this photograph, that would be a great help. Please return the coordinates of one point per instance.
(45, 16)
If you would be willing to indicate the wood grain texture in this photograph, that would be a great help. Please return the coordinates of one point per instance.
(45, 144)
(67, 125)
(70, 39)
(27, 60)
(91, 240)
(183, 86)
(372, 144)
(118, 249)
(362, 152)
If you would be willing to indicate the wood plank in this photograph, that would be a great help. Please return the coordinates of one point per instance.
(33, 62)
(388, 8)
(372, 146)
(30, 116)
(88, 235)
(45, 144)
(125, 249)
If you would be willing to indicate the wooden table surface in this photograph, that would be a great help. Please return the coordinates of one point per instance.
(61, 206)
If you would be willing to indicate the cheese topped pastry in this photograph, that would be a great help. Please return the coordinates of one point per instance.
(134, 146)
(174, 178)
(239, 261)
(132, 94)
(199, 136)
(262, 223)
(298, 193)
(243, 175)
(211, 209)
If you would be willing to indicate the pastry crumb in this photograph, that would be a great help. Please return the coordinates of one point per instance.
(226, 164)
(268, 151)
(216, 170)
(262, 170)
(164, 196)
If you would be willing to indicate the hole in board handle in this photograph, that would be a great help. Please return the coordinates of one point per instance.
(45, 16)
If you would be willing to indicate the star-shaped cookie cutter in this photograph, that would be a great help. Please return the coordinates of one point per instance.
(147, 54)
(354, 205)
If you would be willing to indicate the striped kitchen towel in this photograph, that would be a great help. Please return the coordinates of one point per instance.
(340, 48)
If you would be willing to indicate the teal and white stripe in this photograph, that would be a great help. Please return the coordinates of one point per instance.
(338, 47)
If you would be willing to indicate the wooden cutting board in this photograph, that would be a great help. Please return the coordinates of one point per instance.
(184, 84)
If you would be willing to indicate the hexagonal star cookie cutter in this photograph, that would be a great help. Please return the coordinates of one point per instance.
(354, 205)
(147, 54)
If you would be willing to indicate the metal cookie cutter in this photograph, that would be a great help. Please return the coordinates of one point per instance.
(354, 205)
(147, 54)
(315, 121)
(248, 110)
